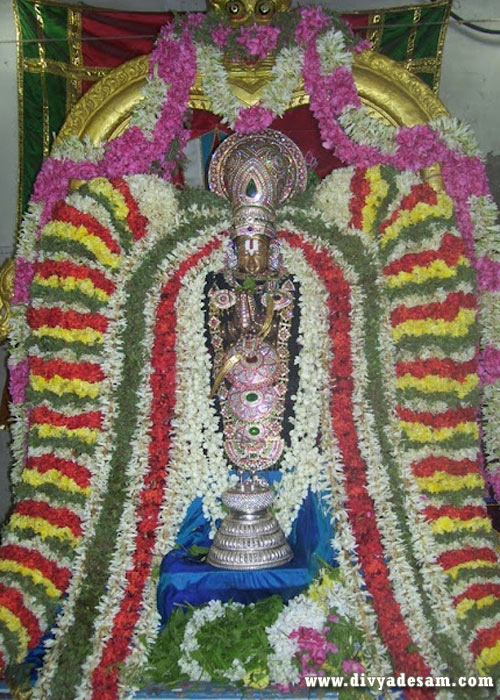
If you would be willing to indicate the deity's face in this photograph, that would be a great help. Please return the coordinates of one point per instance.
(253, 254)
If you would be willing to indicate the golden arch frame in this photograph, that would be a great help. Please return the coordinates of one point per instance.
(388, 89)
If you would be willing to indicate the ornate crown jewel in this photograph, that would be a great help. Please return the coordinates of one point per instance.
(248, 11)
(256, 173)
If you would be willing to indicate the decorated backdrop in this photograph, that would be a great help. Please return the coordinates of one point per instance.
(116, 437)
(64, 49)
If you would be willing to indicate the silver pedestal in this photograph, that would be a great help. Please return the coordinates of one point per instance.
(249, 537)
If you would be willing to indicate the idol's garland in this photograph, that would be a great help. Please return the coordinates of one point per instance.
(99, 464)
(471, 481)
(188, 470)
(423, 542)
(402, 575)
(183, 459)
(19, 330)
(136, 469)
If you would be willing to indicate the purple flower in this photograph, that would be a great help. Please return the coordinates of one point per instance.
(259, 40)
(352, 666)
(130, 153)
(52, 181)
(313, 21)
(253, 119)
(18, 380)
(488, 274)
(489, 365)
(419, 147)
(363, 45)
(220, 35)
(22, 280)
(494, 481)
(333, 618)
(314, 643)
(194, 19)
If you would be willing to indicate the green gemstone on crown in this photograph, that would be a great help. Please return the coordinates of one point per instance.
(254, 430)
(251, 189)
(252, 396)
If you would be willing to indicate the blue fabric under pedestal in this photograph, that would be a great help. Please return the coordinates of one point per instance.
(186, 579)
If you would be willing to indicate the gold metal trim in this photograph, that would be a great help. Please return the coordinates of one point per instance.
(440, 47)
(35, 65)
(6, 290)
(43, 82)
(410, 48)
(74, 82)
(392, 92)
(20, 112)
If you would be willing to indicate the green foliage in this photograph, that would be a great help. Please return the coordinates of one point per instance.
(239, 634)
(163, 660)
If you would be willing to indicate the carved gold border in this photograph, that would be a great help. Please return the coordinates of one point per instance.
(393, 93)
(6, 289)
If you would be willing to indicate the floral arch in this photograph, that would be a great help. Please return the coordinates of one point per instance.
(114, 432)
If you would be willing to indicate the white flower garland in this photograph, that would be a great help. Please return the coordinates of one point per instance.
(215, 83)
(213, 610)
(174, 504)
(276, 96)
(332, 197)
(155, 93)
(99, 467)
(344, 542)
(332, 51)
(137, 468)
(78, 149)
(300, 611)
(457, 135)
(423, 542)
(157, 201)
(366, 130)
(286, 74)
(484, 214)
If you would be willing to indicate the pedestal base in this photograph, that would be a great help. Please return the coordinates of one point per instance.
(249, 537)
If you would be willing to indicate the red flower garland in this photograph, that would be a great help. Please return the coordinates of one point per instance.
(455, 557)
(67, 268)
(70, 320)
(105, 675)
(446, 310)
(77, 472)
(12, 599)
(360, 189)
(88, 371)
(137, 223)
(359, 506)
(60, 517)
(450, 250)
(71, 215)
(32, 559)
(421, 193)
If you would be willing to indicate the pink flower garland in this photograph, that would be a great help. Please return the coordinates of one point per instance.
(259, 40)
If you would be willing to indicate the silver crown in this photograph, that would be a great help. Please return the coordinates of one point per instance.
(256, 173)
